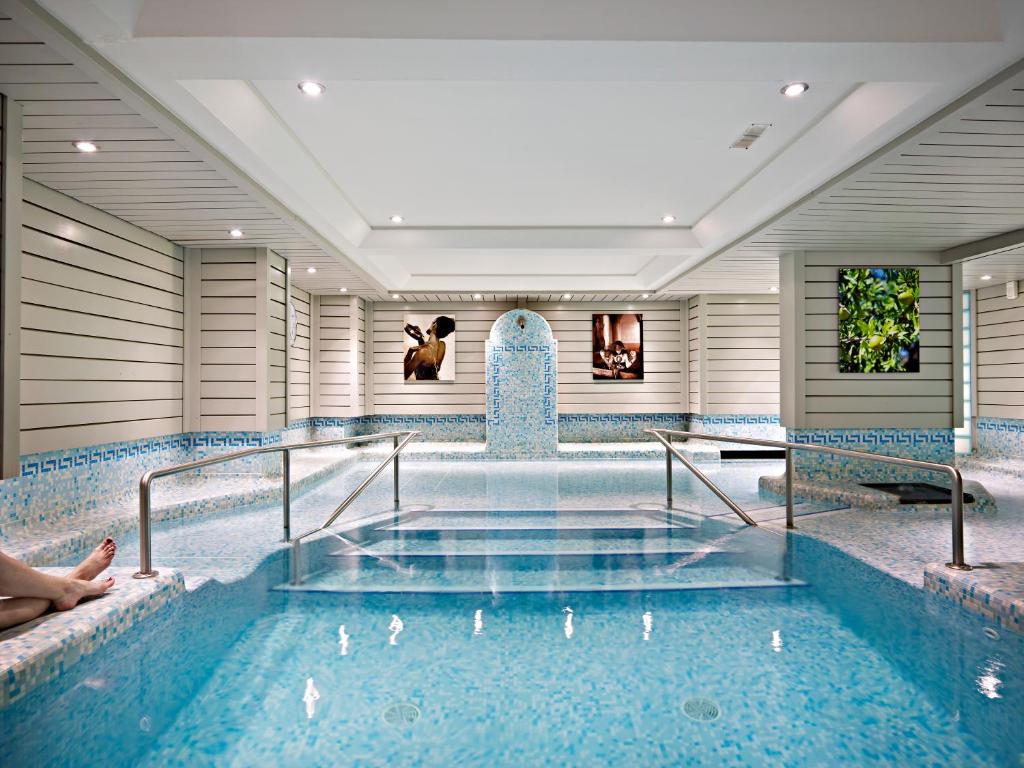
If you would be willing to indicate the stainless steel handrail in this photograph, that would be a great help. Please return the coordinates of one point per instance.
(957, 491)
(296, 575)
(145, 495)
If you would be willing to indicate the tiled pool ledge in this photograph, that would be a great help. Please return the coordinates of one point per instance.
(185, 499)
(41, 650)
(992, 590)
(854, 495)
(1002, 465)
(476, 451)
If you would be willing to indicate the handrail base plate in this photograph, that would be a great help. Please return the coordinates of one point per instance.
(141, 575)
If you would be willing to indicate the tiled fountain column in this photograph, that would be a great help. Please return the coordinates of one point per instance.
(522, 387)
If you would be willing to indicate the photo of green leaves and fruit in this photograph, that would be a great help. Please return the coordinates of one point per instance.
(879, 321)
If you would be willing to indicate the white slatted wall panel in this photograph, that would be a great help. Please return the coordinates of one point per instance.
(393, 395)
(358, 357)
(741, 337)
(298, 363)
(659, 392)
(102, 327)
(907, 400)
(228, 354)
(1000, 350)
(340, 335)
(277, 339)
(571, 324)
(693, 349)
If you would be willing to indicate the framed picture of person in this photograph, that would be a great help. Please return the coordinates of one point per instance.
(429, 343)
(618, 347)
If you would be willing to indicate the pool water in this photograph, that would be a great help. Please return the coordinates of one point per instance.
(513, 623)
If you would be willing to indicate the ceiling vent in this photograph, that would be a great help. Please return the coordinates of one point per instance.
(750, 135)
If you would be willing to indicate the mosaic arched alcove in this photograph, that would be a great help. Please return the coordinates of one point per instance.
(522, 387)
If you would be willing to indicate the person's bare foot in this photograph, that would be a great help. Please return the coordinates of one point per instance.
(97, 561)
(81, 589)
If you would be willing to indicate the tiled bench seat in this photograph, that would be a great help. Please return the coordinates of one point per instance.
(992, 590)
(173, 499)
(39, 651)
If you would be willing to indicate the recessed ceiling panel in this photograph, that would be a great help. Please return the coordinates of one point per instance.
(540, 153)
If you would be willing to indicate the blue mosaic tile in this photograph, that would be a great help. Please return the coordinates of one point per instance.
(998, 438)
(522, 420)
(936, 445)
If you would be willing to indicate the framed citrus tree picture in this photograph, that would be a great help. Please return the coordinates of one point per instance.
(879, 320)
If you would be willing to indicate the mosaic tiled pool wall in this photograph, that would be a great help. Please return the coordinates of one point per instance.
(60, 484)
(472, 428)
(999, 438)
(923, 444)
(522, 417)
(764, 427)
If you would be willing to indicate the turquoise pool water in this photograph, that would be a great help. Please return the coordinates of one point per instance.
(697, 643)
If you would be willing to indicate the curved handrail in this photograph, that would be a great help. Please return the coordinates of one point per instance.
(145, 495)
(957, 500)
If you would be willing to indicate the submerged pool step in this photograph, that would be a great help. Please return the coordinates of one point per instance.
(561, 520)
(380, 578)
(418, 546)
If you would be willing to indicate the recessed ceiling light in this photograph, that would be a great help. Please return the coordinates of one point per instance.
(566, 295)
(312, 88)
(289, 270)
(792, 90)
(668, 218)
(88, 147)
(477, 296)
(396, 219)
(395, 296)
(986, 277)
(343, 290)
(236, 232)
(647, 296)
(311, 270)
(774, 289)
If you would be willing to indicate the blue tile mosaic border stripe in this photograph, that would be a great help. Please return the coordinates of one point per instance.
(999, 437)
(937, 445)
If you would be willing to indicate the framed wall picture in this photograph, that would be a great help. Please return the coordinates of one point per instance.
(429, 342)
(879, 320)
(618, 347)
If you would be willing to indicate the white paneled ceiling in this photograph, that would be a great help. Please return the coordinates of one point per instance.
(141, 174)
(533, 147)
(953, 181)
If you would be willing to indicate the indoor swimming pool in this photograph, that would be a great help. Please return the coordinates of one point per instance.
(549, 630)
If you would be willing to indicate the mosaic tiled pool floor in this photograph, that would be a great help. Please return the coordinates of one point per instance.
(855, 668)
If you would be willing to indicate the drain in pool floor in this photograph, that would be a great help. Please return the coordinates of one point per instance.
(701, 709)
(401, 714)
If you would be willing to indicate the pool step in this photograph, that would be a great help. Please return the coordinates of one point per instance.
(380, 578)
(417, 546)
(560, 520)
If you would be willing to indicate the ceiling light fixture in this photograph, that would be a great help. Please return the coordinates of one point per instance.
(792, 90)
(986, 277)
(343, 290)
(395, 296)
(647, 296)
(567, 296)
(311, 270)
(477, 296)
(312, 88)
(88, 147)
(236, 232)
(668, 218)
(396, 219)
(774, 289)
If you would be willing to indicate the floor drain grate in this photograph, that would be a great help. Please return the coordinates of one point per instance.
(701, 709)
(401, 714)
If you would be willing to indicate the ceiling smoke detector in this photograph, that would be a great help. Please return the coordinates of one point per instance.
(750, 135)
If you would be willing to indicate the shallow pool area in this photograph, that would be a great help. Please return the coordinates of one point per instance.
(527, 614)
